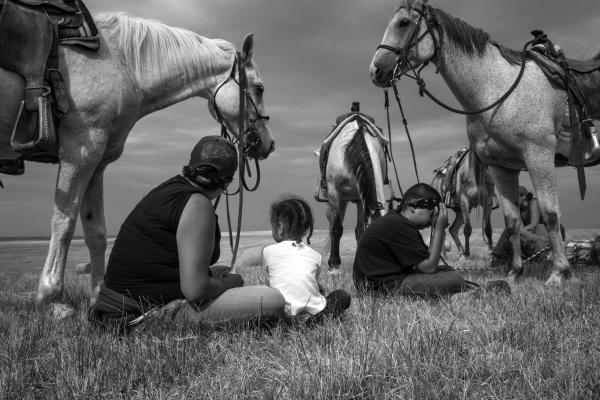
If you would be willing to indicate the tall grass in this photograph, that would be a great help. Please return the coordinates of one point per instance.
(538, 343)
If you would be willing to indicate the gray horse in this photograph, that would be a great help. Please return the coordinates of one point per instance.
(518, 133)
(473, 188)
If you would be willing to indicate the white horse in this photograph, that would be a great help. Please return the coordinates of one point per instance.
(142, 66)
(473, 188)
(519, 133)
(355, 170)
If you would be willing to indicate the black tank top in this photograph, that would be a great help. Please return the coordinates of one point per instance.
(144, 262)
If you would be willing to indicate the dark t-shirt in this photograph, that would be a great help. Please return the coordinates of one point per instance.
(387, 251)
(144, 261)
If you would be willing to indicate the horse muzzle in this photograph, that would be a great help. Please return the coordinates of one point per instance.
(380, 76)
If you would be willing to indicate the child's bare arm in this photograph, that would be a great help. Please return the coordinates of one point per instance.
(249, 257)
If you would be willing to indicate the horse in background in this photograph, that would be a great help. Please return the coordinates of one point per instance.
(464, 186)
(355, 171)
(141, 66)
(519, 129)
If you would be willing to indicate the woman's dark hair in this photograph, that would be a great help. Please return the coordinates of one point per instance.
(421, 193)
(296, 216)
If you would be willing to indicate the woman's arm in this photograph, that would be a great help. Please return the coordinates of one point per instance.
(429, 265)
(195, 244)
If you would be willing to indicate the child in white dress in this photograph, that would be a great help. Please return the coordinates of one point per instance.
(293, 266)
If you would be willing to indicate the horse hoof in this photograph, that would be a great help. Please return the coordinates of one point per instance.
(334, 271)
(60, 311)
(515, 275)
(556, 279)
(83, 268)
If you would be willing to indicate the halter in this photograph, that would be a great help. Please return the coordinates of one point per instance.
(432, 23)
(251, 137)
(248, 143)
(412, 41)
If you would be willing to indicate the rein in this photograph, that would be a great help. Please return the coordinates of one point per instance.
(401, 58)
(248, 143)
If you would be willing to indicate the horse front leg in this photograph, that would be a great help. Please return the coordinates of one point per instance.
(507, 185)
(336, 210)
(454, 229)
(543, 177)
(94, 229)
(73, 177)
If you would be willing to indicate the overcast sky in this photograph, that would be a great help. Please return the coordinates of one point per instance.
(313, 56)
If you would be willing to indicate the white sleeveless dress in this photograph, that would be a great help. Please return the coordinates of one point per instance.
(293, 269)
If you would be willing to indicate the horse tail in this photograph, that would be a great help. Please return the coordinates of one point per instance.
(358, 159)
(483, 182)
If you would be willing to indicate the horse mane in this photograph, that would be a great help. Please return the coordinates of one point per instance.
(153, 48)
(470, 40)
(358, 159)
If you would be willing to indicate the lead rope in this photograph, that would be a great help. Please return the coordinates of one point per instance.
(241, 160)
(390, 154)
(405, 123)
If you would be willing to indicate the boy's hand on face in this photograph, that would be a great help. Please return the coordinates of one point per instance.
(441, 218)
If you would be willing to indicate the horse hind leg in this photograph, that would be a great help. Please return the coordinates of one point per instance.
(361, 220)
(94, 229)
(468, 229)
(454, 228)
(335, 214)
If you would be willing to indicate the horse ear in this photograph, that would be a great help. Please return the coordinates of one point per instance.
(247, 47)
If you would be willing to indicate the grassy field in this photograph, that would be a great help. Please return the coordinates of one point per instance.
(538, 343)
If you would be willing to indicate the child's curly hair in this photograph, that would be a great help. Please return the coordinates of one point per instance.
(296, 216)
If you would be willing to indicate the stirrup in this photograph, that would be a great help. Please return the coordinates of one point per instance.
(12, 167)
(321, 193)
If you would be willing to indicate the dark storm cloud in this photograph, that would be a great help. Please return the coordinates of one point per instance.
(313, 56)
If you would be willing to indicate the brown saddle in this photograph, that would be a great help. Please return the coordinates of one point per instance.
(30, 33)
(321, 191)
(581, 81)
(582, 77)
(448, 171)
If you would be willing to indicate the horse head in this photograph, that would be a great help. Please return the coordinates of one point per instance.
(408, 42)
(224, 105)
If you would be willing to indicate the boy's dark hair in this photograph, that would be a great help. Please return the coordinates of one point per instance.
(421, 195)
(296, 215)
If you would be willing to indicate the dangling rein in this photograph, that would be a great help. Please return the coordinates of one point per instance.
(243, 148)
(423, 90)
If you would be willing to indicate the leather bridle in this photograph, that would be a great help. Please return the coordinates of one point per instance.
(248, 143)
(413, 40)
(251, 138)
(401, 57)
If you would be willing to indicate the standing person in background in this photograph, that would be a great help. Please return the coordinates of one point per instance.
(162, 255)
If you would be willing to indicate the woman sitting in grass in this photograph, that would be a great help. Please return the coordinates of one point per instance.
(161, 264)
(293, 266)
